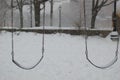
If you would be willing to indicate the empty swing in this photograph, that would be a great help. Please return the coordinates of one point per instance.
(86, 43)
(12, 43)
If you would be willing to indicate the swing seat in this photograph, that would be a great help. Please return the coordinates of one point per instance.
(114, 36)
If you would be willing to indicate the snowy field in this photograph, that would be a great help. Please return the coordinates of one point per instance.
(64, 57)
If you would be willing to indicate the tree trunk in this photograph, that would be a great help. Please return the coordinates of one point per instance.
(60, 16)
(93, 22)
(51, 14)
(21, 18)
(11, 13)
(31, 13)
(93, 19)
(37, 13)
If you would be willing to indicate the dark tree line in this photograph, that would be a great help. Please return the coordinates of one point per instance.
(37, 9)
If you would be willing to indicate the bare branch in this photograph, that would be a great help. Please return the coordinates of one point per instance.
(110, 3)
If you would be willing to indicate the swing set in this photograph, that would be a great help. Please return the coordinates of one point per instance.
(86, 45)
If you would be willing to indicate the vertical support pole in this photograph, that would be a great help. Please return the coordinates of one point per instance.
(43, 37)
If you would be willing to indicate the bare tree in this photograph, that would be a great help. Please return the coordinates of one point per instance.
(20, 4)
(37, 12)
(37, 9)
(97, 5)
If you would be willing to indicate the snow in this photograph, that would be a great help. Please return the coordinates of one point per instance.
(64, 57)
(41, 27)
(56, 28)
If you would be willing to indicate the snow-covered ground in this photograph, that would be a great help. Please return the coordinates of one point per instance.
(64, 57)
